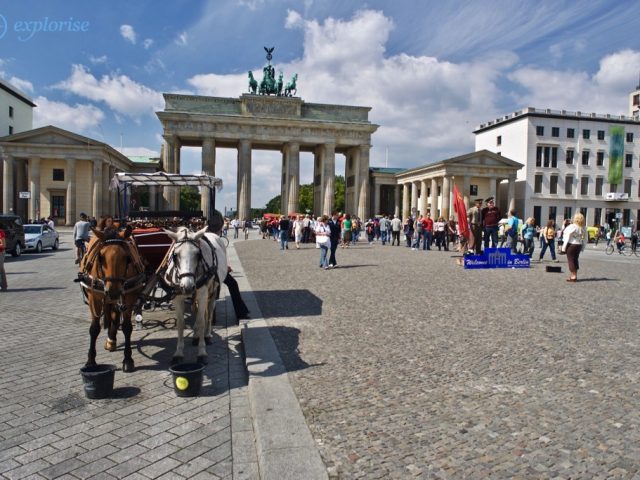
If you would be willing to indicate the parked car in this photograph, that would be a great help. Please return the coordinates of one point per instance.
(14, 233)
(39, 236)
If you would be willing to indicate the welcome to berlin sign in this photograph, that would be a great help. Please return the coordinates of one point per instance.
(497, 258)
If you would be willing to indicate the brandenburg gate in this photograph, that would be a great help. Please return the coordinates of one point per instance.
(283, 123)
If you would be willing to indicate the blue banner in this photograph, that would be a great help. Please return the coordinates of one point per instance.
(497, 258)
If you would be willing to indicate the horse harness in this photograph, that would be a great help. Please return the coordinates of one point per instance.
(88, 282)
(208, 271)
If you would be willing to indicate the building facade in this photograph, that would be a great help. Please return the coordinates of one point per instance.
(49, 171)
(567, 158)
(16, 110)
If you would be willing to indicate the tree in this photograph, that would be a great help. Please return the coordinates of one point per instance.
(189, 199)
(305, 198)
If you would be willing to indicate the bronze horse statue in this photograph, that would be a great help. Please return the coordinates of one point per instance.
(253, 83)
(111, 275)
(291, 86)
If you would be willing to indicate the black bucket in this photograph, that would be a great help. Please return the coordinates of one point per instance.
(187, 379)
(98, 380)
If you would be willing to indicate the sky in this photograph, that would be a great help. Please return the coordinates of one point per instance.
(430, 70)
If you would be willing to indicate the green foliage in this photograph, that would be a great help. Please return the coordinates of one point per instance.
(305, 198)
(189, 199)
(273, 205)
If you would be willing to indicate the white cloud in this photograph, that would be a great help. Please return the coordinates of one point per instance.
(128, 33)
(77, 118)
(294, 19)
(97, 60)
(24, 85)
(148, 43)
(577, 90)
(182, 39)
(119, 92)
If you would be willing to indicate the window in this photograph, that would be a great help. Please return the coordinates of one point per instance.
(567, 212)
(537, 187)
(58, 175)
(636, 100)
(537, 211)
(599, 183)
(627, 186)
(553, 211)
(554, 157)
(10, 111)
(584, 186)
(473, 190)
(547, 154)
(569, 157)
(10, 130)
(540, 131)
(583, 211)
(600, 159)
(597, 216)
(613, 188)
(571, 133)
(586, 134)
(538, 156)
(553, 184)
(600, 134)
(568, 184)
(626, 216)
(585, 157)
(630, 137)
(499, 140)
(555, 131)
(628, 160)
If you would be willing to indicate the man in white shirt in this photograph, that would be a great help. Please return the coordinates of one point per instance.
(396, 226)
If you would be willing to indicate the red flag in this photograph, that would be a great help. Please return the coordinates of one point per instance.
(461, 212)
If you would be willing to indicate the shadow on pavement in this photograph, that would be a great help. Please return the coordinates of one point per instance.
(278, 303)
(125, 392)
(598, 279)
(287, 340)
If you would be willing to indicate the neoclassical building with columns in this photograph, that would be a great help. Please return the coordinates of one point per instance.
(285, 124)
(429, 188)
(64, 174)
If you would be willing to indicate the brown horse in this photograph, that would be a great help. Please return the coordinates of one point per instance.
(112, 275)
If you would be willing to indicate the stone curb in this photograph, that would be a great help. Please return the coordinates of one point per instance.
(285, 446)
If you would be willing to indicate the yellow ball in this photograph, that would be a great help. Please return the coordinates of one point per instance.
(182, 383)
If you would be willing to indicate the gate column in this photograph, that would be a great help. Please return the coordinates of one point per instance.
(96, 200)
(292, 152)
(244, 180)
(208, 167)
(34, 188)
(329, 169)
(71, 191)
(363, 188)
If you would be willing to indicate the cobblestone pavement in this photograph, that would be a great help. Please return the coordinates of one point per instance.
(48, 429)
(407, 365)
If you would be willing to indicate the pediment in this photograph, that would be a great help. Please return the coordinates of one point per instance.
(51, 135)
(482, 158)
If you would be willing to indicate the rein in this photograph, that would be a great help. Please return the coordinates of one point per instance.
(207, 271)
(97, 284)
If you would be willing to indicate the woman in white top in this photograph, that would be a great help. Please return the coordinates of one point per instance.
(574, 239)
(297, 230)
(323, 240)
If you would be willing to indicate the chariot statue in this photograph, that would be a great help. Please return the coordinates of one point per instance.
(269, 85)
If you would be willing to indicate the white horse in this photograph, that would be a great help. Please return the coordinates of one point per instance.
(197, 266)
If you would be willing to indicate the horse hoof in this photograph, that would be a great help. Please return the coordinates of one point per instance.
(110, 345)
(177, 360)
(208, 341)
(202, 360)
(128, 366)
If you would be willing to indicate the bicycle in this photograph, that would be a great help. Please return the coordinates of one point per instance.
(626, 250)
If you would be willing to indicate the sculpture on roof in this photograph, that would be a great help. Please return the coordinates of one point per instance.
(269, 85)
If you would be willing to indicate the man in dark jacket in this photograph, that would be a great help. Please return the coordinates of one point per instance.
(490, 217)
(334, 226)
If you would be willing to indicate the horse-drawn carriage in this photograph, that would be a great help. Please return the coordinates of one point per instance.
(154, 258)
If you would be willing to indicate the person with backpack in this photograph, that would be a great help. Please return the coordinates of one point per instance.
(512, 231)
(370, 229)
(548, 236)
(419, 233)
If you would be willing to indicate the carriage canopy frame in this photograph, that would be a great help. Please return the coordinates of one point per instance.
(123, 181)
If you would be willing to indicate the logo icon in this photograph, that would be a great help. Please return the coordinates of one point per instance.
(3, 26)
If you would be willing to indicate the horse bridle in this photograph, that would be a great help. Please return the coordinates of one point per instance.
(208, 270)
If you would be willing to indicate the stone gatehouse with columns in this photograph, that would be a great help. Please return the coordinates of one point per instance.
(285, 124)
(64, 173)
(430, 187)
